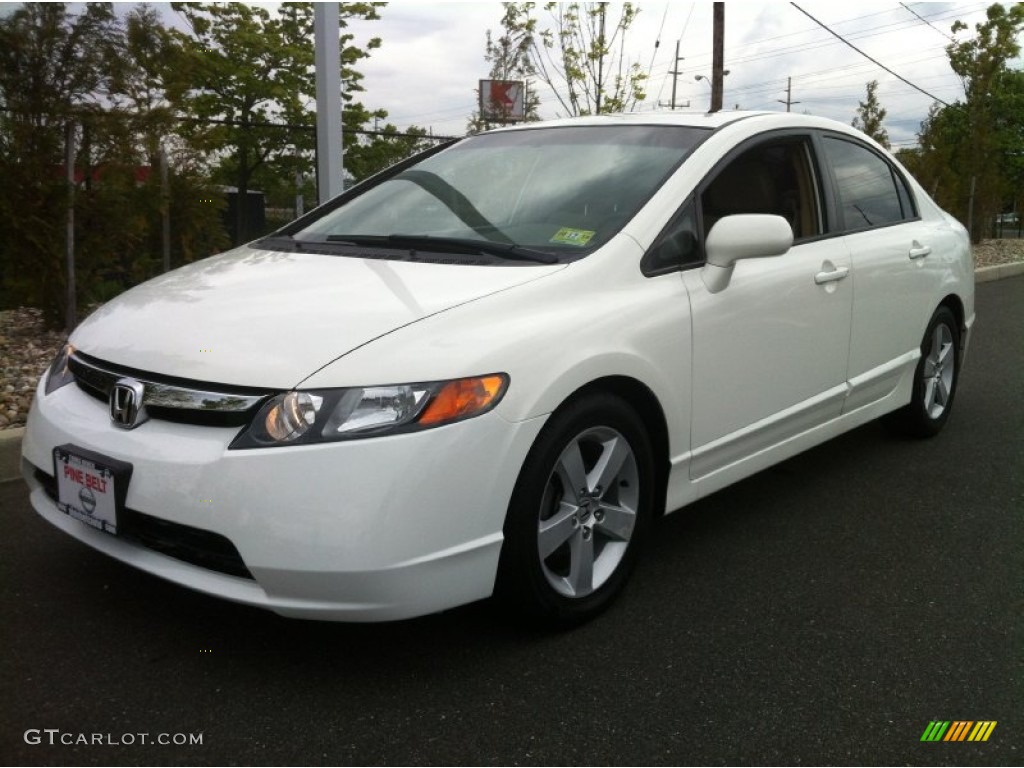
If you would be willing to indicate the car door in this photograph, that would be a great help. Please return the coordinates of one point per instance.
(895, 256)
(770, 350)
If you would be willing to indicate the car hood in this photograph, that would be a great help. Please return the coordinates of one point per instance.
(270, 319)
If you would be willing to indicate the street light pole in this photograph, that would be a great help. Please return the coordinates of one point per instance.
(710, 83)
(330, 171)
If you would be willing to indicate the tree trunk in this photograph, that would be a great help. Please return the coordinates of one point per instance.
(242, 198)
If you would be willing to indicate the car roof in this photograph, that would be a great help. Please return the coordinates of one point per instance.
(753, 122)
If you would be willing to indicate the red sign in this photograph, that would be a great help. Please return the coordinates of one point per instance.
(503, 100)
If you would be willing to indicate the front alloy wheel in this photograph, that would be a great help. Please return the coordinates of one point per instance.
(579, 511)
(588, 512)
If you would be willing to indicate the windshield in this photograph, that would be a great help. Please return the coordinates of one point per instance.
(549, 190)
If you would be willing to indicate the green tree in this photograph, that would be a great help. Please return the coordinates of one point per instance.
(982, 134)
(244, 69)
(383, 149)
(103, 77)
(939, 161)
(509, 57)
(139, 78)
(581, 55)
(870, 116)
(52, 72)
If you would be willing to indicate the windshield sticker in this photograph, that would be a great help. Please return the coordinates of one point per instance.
(570, 236)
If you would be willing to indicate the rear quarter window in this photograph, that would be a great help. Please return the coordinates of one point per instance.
(868, 188)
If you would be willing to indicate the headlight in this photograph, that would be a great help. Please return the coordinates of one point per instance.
(327, 415)
(59, 374)
(290, 416)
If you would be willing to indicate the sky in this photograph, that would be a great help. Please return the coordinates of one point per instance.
(427, 69)
(426, 72)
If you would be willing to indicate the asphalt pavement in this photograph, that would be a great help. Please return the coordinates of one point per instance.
(824, 611)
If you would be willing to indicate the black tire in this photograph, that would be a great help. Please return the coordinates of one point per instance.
(935, 380)
(550, 528)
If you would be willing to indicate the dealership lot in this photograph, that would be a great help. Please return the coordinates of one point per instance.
(824, 611)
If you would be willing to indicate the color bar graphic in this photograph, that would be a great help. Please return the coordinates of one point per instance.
(935, 730)
(982, 730)
(958, 730)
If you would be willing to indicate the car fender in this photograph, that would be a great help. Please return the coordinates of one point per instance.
(599, 318)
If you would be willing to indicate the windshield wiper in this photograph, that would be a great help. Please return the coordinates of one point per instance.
(279, 241)
(861, 212)
(448, 245)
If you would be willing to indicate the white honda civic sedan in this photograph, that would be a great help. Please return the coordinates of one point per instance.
(489, 369)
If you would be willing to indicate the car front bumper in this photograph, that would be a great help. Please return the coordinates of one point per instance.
(365, 530)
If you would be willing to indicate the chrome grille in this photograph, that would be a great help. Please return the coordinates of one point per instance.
(171, 398)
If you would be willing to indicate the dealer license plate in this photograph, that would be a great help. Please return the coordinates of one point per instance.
(90, 487)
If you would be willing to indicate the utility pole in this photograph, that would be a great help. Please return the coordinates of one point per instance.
(789, 95)
(718, 57)
(970, 209)
(675, 74)
(70, 311)
(600, 62)
(165, 211)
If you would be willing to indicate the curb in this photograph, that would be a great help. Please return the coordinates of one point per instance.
(988, 274)
(10, 453)
(10, 439)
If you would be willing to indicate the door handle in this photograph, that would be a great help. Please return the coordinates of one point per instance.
(918, 251)
(829, 277)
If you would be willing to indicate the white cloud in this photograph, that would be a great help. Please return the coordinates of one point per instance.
(432, 57)
(426, 71)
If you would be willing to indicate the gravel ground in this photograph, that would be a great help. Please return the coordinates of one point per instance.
(26, 347)
(992, 253)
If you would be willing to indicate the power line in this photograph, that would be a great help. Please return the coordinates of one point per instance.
(657, 42)
(659, 74)
(866, 56)
(948, 37)
(809, 79)
(696, 58)
(795, 47)
(676, 64)
(87, 114)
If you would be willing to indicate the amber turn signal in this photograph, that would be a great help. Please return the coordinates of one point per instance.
(464, 397)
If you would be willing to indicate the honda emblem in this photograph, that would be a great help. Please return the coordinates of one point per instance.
(126, 409)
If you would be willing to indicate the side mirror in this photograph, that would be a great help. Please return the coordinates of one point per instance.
(742, 236)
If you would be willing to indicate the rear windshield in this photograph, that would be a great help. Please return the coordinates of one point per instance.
(556, 190)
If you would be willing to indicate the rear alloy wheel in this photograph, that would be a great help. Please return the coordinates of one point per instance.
(935, 379)
(939, 372)
(579, 512)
